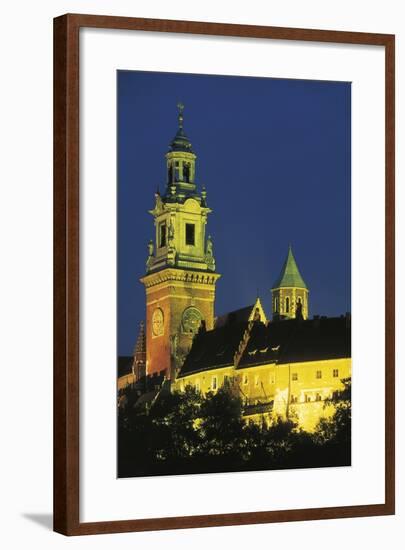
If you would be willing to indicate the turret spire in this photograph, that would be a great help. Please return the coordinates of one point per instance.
(139, 357)
(289, 291)
(180, 107)
(180, 142)
(290, 275)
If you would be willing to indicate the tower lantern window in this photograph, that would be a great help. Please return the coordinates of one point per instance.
(287, 305)
(162, 235)
(190, 234)
(186, 171)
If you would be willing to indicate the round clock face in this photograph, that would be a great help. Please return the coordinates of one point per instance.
(191, 320)
(157, 322)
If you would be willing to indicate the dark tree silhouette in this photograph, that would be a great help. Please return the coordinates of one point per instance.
(185, 432)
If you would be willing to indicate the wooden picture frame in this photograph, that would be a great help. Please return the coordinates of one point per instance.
(67, 284)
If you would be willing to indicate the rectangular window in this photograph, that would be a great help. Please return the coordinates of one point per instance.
(319, 374)
(294, 376)
(162, 235)
(256, 380)
(318, 397)
(245, 379)
(294, 399)
(190, 234)
(335, 373)
(214, 383)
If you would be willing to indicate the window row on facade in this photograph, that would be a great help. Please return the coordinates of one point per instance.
(318, 375)
(306, 397)
(258, 380)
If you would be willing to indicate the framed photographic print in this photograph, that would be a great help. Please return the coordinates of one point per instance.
(224, 274)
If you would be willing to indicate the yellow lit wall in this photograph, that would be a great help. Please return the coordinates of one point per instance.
(205, 381)
(299, 390)
(303, 387)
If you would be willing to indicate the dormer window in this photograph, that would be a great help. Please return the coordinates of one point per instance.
(190, 234)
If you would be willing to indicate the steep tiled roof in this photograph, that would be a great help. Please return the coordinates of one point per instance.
(278, 342)
(295, 341)
(242, 315)
(214, 349)
(238, 316)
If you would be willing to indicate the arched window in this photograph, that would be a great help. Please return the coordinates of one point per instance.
(276, 305)
(287, 305)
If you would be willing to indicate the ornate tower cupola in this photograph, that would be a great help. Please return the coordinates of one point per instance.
(289, 292)
(180, 269)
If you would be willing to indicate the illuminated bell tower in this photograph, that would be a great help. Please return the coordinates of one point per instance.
(289, 292)
(180, 270)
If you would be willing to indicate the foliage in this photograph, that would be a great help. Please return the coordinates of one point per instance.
(334, 433)
(186, 432)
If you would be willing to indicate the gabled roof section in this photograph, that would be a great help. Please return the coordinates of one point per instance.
(214, 349)
(290, 275)
(254, 312)
(295, 341)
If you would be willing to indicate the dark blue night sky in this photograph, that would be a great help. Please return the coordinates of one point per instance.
(275, 157)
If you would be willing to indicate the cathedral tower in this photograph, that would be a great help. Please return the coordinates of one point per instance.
(289, 292)
(180, 270)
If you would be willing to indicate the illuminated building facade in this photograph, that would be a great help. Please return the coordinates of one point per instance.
(285, 367)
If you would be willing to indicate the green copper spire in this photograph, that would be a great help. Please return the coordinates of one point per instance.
(290, 275)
